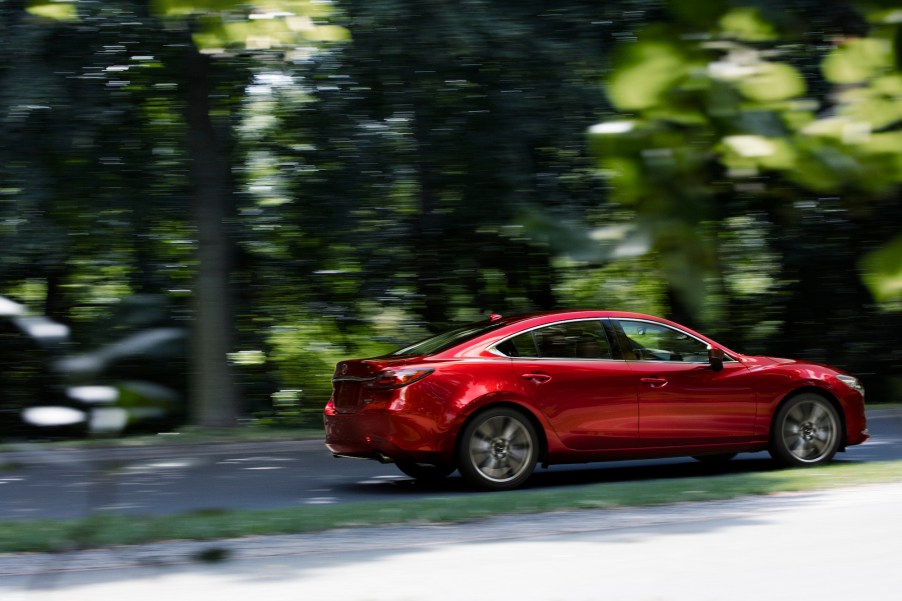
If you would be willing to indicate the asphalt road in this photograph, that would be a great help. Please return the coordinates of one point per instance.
(43, 483)
(831, 546)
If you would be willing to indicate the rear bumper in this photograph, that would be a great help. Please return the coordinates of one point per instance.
(383, 436)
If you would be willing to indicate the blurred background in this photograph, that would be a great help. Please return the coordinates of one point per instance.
(204, 204)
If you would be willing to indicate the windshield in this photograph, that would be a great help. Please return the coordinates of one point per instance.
(445, 340)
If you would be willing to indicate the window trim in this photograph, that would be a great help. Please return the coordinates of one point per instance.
(620, 332)
(613, 345)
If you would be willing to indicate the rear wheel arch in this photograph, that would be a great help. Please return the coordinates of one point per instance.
(506, 404)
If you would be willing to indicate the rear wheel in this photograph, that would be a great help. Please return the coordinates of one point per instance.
(806, 431)
(425, 472)
(498, 449)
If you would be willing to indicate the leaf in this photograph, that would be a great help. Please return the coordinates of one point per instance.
(57, 10)
(748, 25)
(327, 33)
(882, 271)
(181, 8)
(772, 81)
(858, 60)
(644, 72)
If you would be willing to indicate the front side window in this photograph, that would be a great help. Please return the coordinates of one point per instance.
(569, 340)
(655, 342)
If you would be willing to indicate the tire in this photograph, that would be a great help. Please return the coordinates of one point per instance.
(714, 459)
(425, 472)
(498, 449)
(806, 431)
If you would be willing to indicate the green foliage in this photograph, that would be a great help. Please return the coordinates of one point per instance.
(388, 167)
(58, 10)
(645, 71)
(732, 121)
(882, 269)
(859, 60)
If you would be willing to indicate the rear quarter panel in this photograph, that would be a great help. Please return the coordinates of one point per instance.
(462, 388)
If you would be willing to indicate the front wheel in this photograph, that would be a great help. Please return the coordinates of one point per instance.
(498, 449)
(806, 431)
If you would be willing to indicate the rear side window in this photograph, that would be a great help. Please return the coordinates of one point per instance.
(445, 340)
(523, 345)
(569, 340)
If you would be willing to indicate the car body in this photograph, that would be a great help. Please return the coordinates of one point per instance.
(494, 398)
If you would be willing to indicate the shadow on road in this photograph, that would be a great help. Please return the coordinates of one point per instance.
(581, 474)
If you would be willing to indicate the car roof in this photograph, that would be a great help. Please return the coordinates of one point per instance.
(578, 313)
(542, 318)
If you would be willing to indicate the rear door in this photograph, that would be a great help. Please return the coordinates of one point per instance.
(569, 371)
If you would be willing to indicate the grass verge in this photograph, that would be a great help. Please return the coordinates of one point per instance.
(111, 530)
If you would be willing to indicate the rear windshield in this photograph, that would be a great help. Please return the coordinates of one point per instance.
(445, 340)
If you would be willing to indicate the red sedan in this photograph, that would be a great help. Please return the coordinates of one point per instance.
(492, 399)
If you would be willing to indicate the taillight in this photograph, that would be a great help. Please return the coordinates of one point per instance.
(396, 378)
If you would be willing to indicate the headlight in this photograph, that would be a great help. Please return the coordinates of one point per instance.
(852, 383)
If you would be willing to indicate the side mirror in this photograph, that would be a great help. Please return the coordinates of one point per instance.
(715, 358)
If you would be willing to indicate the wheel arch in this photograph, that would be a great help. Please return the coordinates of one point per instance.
(823, 392)
(534, 420)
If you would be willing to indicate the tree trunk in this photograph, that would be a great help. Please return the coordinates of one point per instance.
(213, 400)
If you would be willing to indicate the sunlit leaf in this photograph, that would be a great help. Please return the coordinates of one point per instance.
(327, 33)
(178, 8)
(773, 81)
(259, 10)
(858, 60)
(746, 24)
(756, 153)
(254, 35)
(879, 103)
(59, 10)
(882, 271)
(643, 73)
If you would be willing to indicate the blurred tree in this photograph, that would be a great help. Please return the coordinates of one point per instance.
(226, 29)
(448, 123)
(115, 115)
(721, 133)
(316, 197)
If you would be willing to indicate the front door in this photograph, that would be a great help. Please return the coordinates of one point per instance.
(682, 400)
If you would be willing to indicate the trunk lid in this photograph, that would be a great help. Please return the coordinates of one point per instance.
(350, 377)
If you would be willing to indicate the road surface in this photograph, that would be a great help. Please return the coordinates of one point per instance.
(53, 483)
(829, 546)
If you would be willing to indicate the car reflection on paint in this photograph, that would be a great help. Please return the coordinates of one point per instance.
(492, 399)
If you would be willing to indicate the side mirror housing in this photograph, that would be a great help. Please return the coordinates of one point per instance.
(715, 358)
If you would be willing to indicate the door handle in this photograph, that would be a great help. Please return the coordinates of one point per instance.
(537, 378)
(654, 382)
